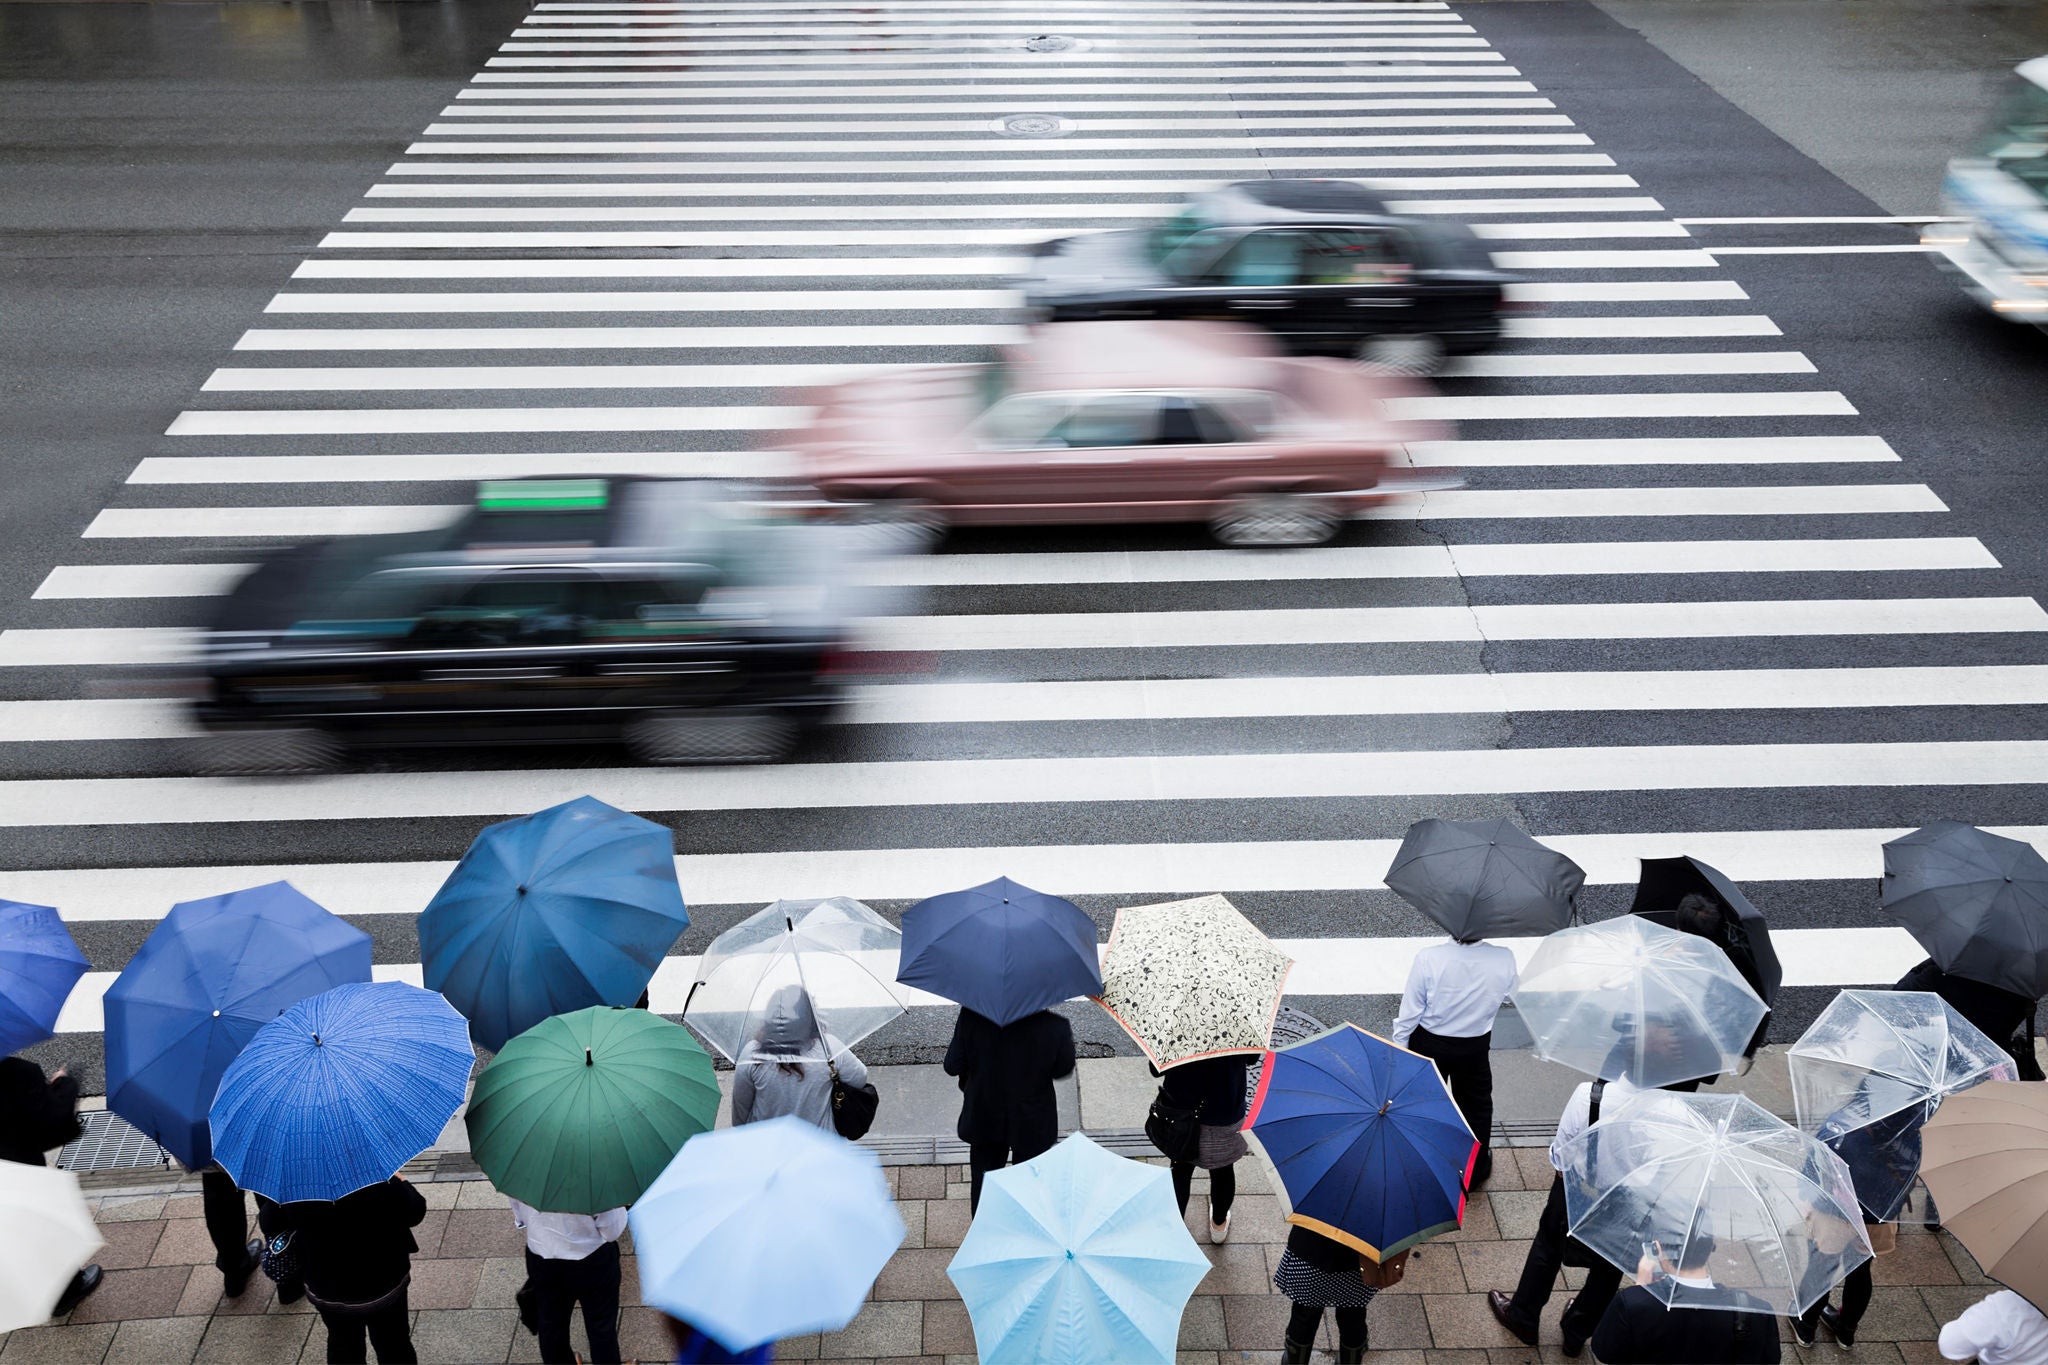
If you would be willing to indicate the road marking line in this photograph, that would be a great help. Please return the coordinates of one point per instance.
(1021, 150)
(1817, 250)
(620, 189)
(1338, 162)
(1627, 450)
(1081, 126)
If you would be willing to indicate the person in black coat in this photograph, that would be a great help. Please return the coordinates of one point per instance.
(1637, 1329)
(355, 1258)
(36, 1114)
(1008, 1109)
(1999, 1013)
(1214, 1087)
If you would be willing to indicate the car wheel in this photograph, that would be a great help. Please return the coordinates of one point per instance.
(1276, 519)
(900, 525)
(1417, 353)
(266, 752)
(680, 737)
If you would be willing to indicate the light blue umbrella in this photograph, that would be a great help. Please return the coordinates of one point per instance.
(341, 1090)
(765, 1231)
(39, 964)
(563, 910)
(1077, 1257)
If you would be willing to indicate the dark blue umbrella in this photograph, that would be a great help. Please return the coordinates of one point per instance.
(1369, 1147)
(1000, 949)
(196, 991)
(341, 1090)
(563, 910)
(39, 964)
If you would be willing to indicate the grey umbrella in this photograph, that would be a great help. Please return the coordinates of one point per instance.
(1485, 878)
(1977, 902)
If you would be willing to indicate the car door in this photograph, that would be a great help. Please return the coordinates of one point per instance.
(1092, 464)
(506, 646)
(1258, 279)
(1355, 282)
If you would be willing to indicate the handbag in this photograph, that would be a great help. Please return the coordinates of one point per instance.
(1175, 1130)
(853, 1106)
(281, 1258)
(1383, 1274)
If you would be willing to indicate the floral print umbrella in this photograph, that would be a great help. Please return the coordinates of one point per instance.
(1192, 979)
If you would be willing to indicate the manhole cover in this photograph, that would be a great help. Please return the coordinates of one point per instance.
(1052, 42)
(1034, 125)
(110, 1143)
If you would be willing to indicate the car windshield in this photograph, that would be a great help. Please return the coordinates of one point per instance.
(2017, 137)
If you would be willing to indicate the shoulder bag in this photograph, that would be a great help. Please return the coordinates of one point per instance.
(1383, 1274)
(1576, 1253)
(853, 1106)
(1176, 1130)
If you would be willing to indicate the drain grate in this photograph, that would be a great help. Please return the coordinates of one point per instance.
(110, 1143)
(1051, 42)
(1034, 125)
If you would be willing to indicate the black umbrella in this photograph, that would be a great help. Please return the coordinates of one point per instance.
(1977, 902)
(1485, 878)
(1726, 917)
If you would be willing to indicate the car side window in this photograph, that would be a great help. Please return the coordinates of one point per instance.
(1022, 422)
(1260, 260)
(1190, 421)
(623, 608)
(1119, 420)
(1352, 256)
(511, 607)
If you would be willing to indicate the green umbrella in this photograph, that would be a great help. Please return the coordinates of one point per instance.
(579, 1113)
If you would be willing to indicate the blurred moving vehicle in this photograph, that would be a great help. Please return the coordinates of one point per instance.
(1115, 422)
(1320, 263)
(692, 620)
(2000, 190)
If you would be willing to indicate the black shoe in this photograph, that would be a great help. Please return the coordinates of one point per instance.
(1297, 1352)
(1351, 1355)
(1831, 1318)
(78, 1291)
(235, 1279)
(1803, 1335)
(1572, 1348)
(1497, 1303)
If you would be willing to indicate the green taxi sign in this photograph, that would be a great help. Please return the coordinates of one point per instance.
(542, 495)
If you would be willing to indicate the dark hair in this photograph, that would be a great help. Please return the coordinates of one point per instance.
(1698, 1248)
(1697, 914)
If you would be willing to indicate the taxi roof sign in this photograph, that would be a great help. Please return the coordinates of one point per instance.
(543, 495)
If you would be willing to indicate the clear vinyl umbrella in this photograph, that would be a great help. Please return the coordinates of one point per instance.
(837, 951)
(1715, 1179)
(1871, 1071)
(1629, 997)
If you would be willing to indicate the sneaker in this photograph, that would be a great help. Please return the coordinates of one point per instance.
(1831, 1318)
(1219, 1233)
(1802, 1334)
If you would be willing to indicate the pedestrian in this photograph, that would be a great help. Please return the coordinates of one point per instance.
(1638, 1329)
(354, 1256)
(693, 1347)
(2002, 1329)
(1009, 1110)
(1883, 1155)
(1214, 1088)
(36, 1114)
(787, 1067)
(1455, 990)
(1318, 1272)
(1997, 1012)
(236, 1254)
(573, 1258)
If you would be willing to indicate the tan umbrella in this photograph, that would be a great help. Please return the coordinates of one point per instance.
(1191, 979)
(1984, 1156)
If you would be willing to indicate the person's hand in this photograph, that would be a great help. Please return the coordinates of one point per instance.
(59, 1074)
(1646, 1270)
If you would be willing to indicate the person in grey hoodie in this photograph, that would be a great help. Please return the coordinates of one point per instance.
(787, 1066)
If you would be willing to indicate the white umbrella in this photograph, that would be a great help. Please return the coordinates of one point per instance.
(50, 1234)
(837, 951)
(1191, 979)
(1630, 997)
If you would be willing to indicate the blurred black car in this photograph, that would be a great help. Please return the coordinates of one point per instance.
(1321, 263)
(694, 622)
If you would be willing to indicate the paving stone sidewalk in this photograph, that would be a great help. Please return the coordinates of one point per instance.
(161, 1304)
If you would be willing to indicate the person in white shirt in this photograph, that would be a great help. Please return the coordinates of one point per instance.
(573, 1258)
(1454, 991)
(2003, 1329)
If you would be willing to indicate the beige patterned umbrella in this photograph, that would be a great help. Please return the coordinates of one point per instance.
(1191, 979)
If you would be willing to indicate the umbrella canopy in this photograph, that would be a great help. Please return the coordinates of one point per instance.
(39, 964)
(1872, 1069)
(1985, 1160)
(1629, 997)
(1075, 1257)
(1191, 979)
(765, 1231)
(581, 1112)
(571, 907)
(1977, 902)
(837, 952)
(1000, 949)
(1774, 1205)
(1485, 878)
(209, 975)
(1727, 917)
(341, 1090)
(1290, 1025)
(50, 1234)
(1366, 1142)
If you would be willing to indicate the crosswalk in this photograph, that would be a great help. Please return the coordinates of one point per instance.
(1689, 601)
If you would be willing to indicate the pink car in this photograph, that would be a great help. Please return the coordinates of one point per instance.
(1114, 422)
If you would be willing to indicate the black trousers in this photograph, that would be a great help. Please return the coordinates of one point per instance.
(983, 1157)
(1306, 1319)
(227, 1218)
(1222, 1188)
(1466, 1064)
(1856, 1292)
(389, 1329)
(558, 1286)
(1539, 1276)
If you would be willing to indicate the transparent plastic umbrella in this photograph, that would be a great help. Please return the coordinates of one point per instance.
(1629, 997)
(839, 952)
(1772, 1207)
(1872, 1070)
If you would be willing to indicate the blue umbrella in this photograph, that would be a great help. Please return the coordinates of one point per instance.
(1000, 949)
(1077, 1257)
(765, 1231)
(1368, 1145)
(341, 1090)
(196, 991)
(569, 908)
(39, 964)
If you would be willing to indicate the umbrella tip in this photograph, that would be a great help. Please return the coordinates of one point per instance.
(522, 890)
(216, 1014)
(316, 1040)
(1385, 1105)
(588, 1060)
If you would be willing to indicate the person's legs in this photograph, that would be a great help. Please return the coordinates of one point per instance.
(1539, 1271)
(1302, 1325)
(1466, 1064)
(554, 1299)
(597, 1288)
(983, 1157)
(1856, 1292)
(1222, 1192)
(390, 1329)
(227, 1225)
(1183, 1182)
(1351, 1329)
(1583, 1313)
(345, 1341)
(1807, 1323)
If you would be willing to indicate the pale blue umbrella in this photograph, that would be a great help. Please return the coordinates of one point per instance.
(1077, 1257)
(765, 1231)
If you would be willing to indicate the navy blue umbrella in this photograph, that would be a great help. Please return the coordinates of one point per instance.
(194, 994)
(1000, 949)
(39, 964)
